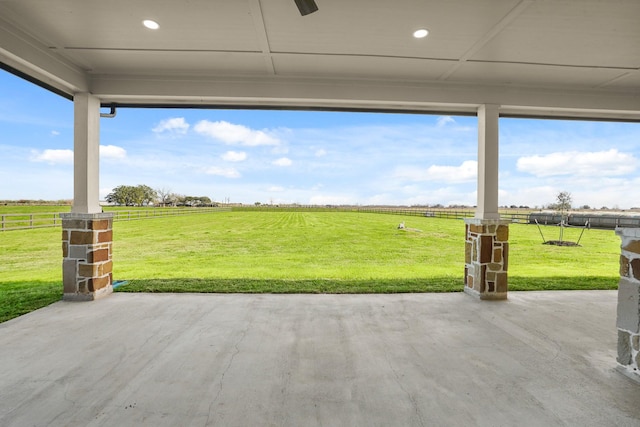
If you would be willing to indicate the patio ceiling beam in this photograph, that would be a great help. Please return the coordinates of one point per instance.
(279, 92)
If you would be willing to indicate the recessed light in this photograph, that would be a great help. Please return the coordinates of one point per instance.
(421, 33)
(152, 25)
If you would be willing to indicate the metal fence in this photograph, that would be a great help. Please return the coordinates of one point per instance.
(445, 213)
(21, 221)
(593, 220)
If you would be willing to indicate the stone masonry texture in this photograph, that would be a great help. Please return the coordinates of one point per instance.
(486, 258)
(87, 255)
(628, 316)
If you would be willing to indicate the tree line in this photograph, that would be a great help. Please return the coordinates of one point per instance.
(143, 195)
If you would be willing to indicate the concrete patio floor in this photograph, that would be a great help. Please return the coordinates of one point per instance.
(538, 359)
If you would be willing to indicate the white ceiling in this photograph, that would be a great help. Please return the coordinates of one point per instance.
(577, 58)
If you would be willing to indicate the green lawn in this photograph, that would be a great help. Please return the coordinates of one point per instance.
(299, 252)
(33, 209)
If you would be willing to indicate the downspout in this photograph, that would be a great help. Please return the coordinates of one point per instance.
(111, 114)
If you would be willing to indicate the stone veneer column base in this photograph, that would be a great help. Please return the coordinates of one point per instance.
(486, 257)
(628, 319)
(87, 256)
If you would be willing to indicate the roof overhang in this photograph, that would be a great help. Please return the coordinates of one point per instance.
(532, 58)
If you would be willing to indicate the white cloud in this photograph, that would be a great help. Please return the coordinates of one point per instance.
(52, 156)
(225, 172)
(466, 172)
(66, 156)
(234, 156)
(175, 125)
(232, 134)
(528, 195)
(282, 161)
(600, 163)
(112, 152)
(444, 120)
(55, 133)
(276, 188)
(320, 152)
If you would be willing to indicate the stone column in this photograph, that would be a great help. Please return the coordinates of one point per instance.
(486, 258)
(486, 236)
(87, 255)
(628, 321)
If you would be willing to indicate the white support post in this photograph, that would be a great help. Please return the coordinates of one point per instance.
(487, 237)
(86, 154)
(87, 233)
(487, 207)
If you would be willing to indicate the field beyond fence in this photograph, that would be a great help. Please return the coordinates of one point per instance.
(37, 219)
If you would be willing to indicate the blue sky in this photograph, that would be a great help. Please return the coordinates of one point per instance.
(313, 157)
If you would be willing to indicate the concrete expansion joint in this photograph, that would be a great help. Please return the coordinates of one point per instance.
(410, 396)
(233, 356)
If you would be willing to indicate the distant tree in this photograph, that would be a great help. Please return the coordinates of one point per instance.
(164, 196)
(122, 195)
(145, 195)
(128, 195)
(173, 199)
(563, 202)
(195, 201)
(206, 200)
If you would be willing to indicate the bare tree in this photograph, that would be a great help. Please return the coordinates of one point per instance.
(164, 196)
(563, 204)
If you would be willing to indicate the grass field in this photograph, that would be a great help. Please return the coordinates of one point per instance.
(38, 209)
(289, 252)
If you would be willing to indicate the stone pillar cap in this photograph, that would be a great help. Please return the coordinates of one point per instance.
(481, 221)
(76, 215)
(628, 231)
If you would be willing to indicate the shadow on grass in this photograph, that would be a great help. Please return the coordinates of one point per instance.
(18, 298)
(284, 286)
(359, 286)
(559, 283)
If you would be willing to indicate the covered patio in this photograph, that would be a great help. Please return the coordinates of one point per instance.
(575, 59)
(538, 359)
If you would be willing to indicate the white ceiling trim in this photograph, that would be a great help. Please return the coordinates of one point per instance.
(497, 29)
(261, 31)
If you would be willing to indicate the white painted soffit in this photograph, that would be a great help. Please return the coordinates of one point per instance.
(34, 60)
